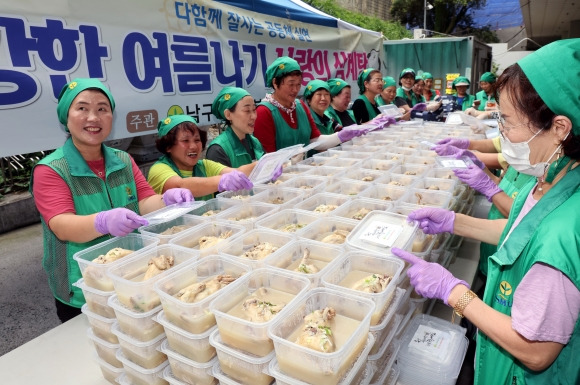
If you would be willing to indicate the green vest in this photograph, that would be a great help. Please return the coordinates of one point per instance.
(90, 195)
(198, 171)
(467, 102)
(433, 95)
(369, 106)
(287, 136)
(324, 128)
(380, 101)
(547, 234)
(401, 93)
(512, 183)
(235, 150)
(481, 95)
(331, 113)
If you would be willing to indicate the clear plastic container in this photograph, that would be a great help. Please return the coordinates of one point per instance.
(287, 221)
(348, 187)
(296, 169)
(110, 372)
(106, 351)
(280, 196)
(441, 173)
(187, 370)
(423, 160)
(316, 367)
(96, 299)
(194, 317)
(239, 195)
(363, 175)
(412, 169)
(337, 154)
(379, 231)
(399, 180)
(355, 269)
(144, 354)
(165, 231)
(283, 178)
(213, 207)
(359, 207)
(168, 375)
(446, 185)
(314, 162)
(136, 375)
(402, 150)
(420, 197)
(389, 156)
(140, 326)
(306, 258)
(247, 214)
(205, 239)
(195, 347)
(172, 211)
(240, 366)
(255, 247)
(322, 203)
(330, 230)
(95, 274)
(333, 173)
(384, 335)
(251, 336)
(100, 325)
(384, 192)
(309, 184)
(344, 163)
(379, 164)
(385, 365)
(359, 374)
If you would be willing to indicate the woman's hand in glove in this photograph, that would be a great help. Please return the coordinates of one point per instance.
(177, 195)
(455, 142)
(349, 132)
(477, 179)
(118, 222)
(433, 220)
(233, 181)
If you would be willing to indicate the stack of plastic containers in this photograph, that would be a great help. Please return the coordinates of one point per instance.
(432, 351)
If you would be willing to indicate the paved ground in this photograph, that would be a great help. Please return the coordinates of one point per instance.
(26, 304)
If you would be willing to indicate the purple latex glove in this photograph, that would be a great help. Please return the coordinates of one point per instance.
(419, 107)
(431, 280)
(383, 121)
(455, 142)
(233, 181)
(471, 156)
(433, 220)
(277, 172)
(118, 222)
(446, 150)
(479, 180)
(348, 133)
(177, 195)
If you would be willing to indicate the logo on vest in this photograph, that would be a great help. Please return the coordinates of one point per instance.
(504, 293)
(130, 196)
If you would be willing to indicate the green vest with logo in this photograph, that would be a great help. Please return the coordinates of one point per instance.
(547, 234)
(198, 171)
(90, 195)
(413, 100)
(235, 150)
(512, 183)
(287, 136)
(324, 128)
(331, 113)
(370, 108)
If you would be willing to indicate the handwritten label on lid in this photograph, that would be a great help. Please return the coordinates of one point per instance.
(433, 342)
(381, 233)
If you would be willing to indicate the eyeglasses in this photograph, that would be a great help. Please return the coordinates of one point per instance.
(501, 123)
(377, 80)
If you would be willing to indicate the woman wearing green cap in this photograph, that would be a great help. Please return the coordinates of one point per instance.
(528, 320)
(487, 93)
(236, 146)
(462, 99)
(317, 95)
(405, 97)
(283, 120)
(340, 95)
(370, 84)
(87, 192)
(182, 142)
(387, 95)
(418, 89)
(428, 92)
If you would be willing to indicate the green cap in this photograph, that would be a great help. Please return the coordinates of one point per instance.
(70, 91)
(559, 92)
(336, 85)
(407, 71)
(226, 99)
(419, 77)
(460, 81)
(165, 125)
(315, 85)
(362, 78)
(279, 67)
(427, 75)
(389, 81)
(487, 77)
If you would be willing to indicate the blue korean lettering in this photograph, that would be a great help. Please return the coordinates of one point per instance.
(233, 57)
(19, 89)
(288, 31)
(155, 61)
(95, 52)
(199, 14)
(275, 30)
(182, 11)
(192, 63)
(233, 21)
(303, 34)
(255, 51)
(215, 17)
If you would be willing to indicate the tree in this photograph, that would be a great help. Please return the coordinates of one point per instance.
(446, 16)
(392, 30)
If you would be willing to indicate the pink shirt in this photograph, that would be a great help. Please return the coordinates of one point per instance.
(544, 312)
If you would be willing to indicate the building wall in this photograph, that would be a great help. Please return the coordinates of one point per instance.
(376, 8)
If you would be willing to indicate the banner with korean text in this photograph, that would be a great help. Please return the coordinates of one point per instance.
(157, 57)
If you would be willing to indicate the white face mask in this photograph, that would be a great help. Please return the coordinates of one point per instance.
(518, 156)
(406, 89)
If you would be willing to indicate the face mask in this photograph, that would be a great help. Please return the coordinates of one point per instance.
(406, 89)
(518, 156)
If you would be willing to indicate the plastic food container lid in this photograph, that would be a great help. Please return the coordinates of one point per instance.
(266, 166)
(451, 162)
(172, 211)
(380, 230)
(390, 110)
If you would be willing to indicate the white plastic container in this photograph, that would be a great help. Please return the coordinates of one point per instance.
(140, 326)
(385, 368)
(213, 207)
(363, 175)
(379, 231)
(383, 192)
(110, 372)
(355, 266)
(312, 366)
(168, 376)
(279, 196)
(172, 211)
(379, 164)
(133, 285)
(194, 317)
(240, 366)
(249, 336)
(314, 162)
(100, 325)
(195, 347)
(96, 299)
(240, 195)
(199, 240)
(322, 203)
(426, 198)
(399, 180)
(345, 163)
(436, 184)
(331, 172)
(309, 184)
(348, 187)
(95, 274)
(290, 258)
(247, 214)
(136, 375)
(186, 370)
(144, 354)
(106, 351)
(328, 230)
(359, 207)
(244, 250)
(171, 228)
(287, 221)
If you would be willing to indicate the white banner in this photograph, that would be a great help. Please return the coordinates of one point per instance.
(157, 58)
